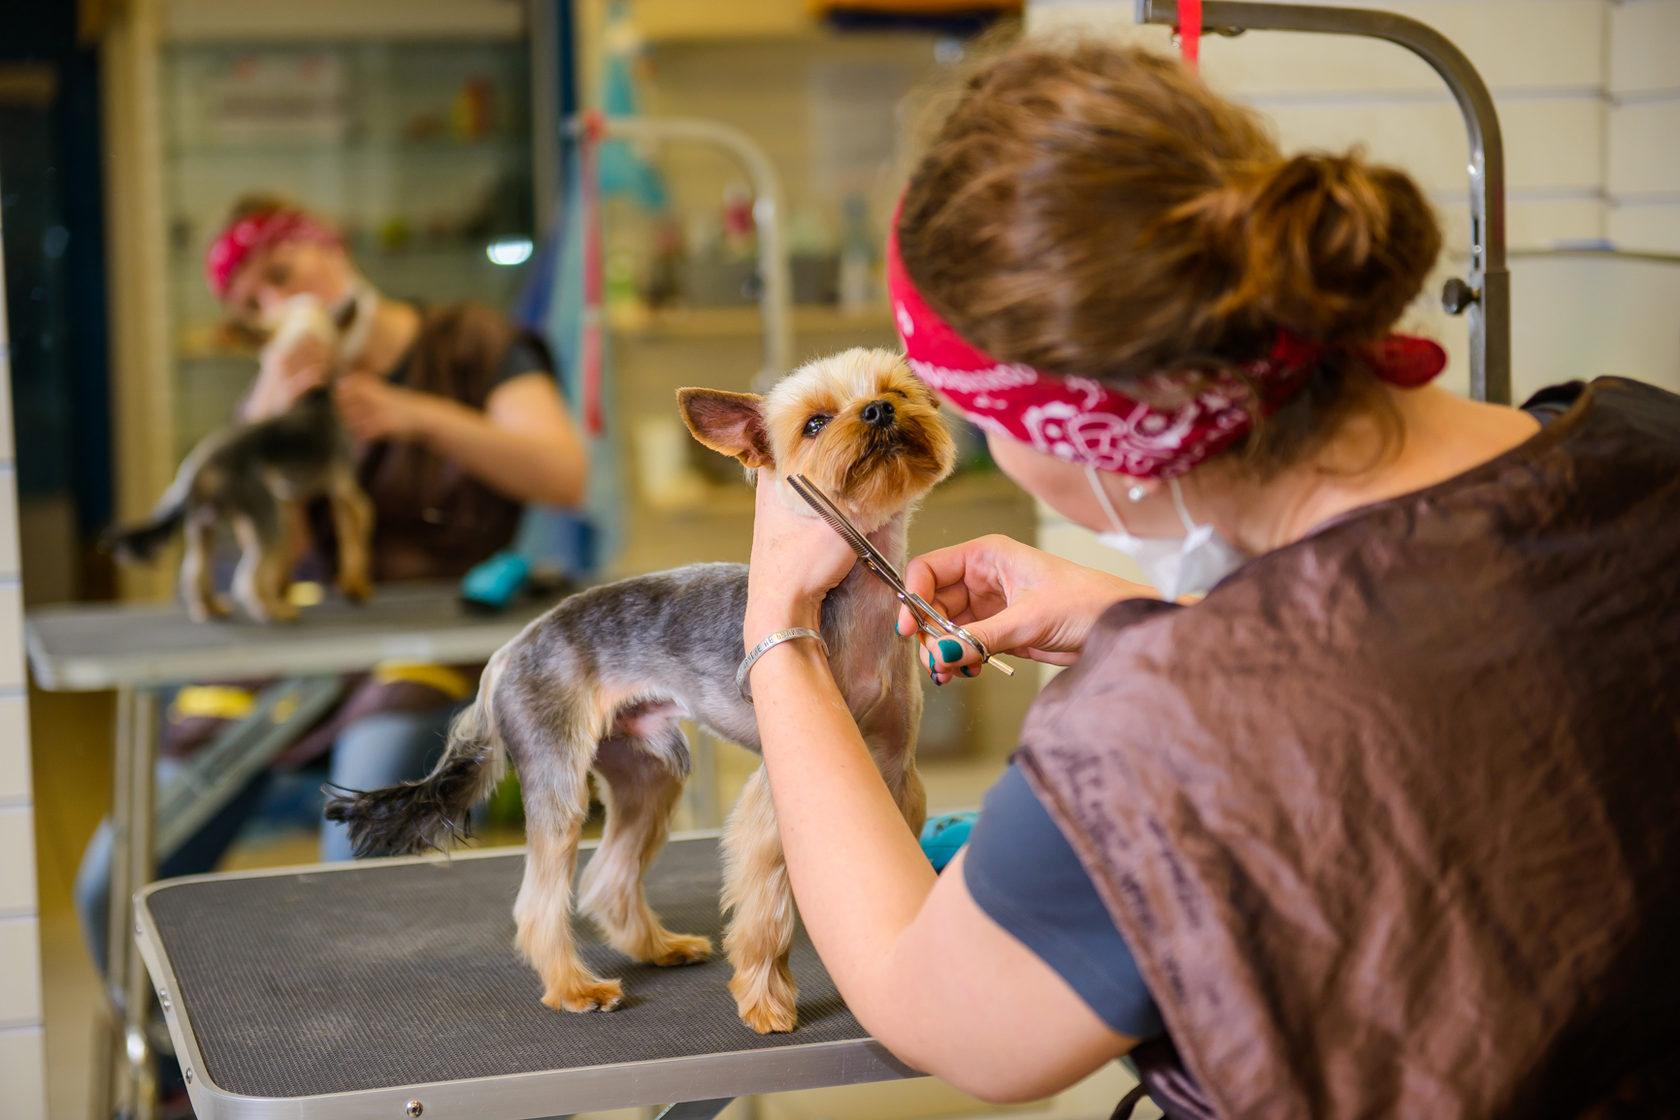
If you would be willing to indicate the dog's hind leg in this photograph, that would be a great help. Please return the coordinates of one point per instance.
(759, 901)
(641, 784)
(197, 589)
(552, 761)
(263, 560)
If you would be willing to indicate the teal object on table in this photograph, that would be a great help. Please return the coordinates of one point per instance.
(492, 585)
(944, 835)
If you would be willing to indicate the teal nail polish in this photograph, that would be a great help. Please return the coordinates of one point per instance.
(949, 650)
(932, 672)
(967, 672)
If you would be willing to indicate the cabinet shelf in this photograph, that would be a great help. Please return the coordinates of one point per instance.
(739, 322)
(339, 147)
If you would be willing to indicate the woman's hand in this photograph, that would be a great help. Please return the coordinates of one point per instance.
(286, 375)
(374, 409)
(796, 560)
(1014, 598)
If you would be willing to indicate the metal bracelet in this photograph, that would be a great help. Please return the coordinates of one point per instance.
(763, 647)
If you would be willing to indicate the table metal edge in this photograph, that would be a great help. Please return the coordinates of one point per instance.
(83, 673)
(541, 1093)
(438, 858)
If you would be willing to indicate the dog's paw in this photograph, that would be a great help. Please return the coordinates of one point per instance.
(766, 1017)
(681, 948)
(207, 610)
(594, 995)
(355, 590)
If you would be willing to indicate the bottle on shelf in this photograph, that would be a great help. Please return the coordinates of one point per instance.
(858, 258)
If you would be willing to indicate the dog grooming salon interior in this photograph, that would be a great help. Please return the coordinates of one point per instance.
(345, 340)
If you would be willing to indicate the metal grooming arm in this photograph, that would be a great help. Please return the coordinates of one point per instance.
(1486, 295)
(775, 297)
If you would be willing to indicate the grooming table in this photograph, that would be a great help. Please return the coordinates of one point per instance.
(391, 988)
(140, 649)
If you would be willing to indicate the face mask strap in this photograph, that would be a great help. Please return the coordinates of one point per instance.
(1184, 518)
(1102, 496)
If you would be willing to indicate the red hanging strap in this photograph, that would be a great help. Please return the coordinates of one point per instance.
(1189, 31)
(591, 357)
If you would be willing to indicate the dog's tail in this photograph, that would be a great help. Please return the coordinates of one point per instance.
(414, 816)
(140, 542)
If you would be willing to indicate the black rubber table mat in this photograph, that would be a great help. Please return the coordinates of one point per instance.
(382, 976)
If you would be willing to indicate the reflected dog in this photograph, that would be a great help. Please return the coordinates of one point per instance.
(247, 476)
(601, 682)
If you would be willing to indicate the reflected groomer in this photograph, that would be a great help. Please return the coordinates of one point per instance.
(458, 423)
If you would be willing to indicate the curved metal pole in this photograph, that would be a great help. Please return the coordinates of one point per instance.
(1489, 302)
(776, 299)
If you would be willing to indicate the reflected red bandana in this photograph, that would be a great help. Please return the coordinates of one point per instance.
(258, 231)
(1088, 422)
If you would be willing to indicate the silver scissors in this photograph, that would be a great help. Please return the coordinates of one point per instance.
(928, 620)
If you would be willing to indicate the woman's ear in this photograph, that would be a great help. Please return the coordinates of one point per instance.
(729, 423)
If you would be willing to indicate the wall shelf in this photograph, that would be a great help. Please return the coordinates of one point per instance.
(740, 322)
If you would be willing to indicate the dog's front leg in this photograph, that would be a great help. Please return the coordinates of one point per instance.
(907, 791)
(352, 515)
(759, 902)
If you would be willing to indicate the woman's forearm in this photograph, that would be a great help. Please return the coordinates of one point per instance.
(858, 873)
(525, 466)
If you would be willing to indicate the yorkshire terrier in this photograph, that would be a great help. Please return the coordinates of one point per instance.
(601, 682)
(248, 476)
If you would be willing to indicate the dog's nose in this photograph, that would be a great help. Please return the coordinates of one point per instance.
(878, 414)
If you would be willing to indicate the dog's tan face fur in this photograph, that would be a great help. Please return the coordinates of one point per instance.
(858, 424)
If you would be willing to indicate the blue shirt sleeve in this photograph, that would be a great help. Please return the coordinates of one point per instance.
(1025, 876)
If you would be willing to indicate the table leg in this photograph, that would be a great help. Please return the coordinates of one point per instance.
(696, 1110)
(116, 930)
(132, 866)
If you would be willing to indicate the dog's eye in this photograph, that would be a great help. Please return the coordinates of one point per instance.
(816, 424)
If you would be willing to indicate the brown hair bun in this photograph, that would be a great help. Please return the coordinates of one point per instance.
(1326, 246)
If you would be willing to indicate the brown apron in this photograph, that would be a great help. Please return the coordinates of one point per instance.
(1391, 820)
(431, 519)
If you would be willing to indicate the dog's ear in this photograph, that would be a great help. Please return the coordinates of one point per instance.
(729, 423)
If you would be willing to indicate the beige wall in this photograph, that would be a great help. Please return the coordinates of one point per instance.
(20, 960)
(1643, 148)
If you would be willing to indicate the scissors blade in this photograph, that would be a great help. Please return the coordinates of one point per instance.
(927, 618)
(837, 519)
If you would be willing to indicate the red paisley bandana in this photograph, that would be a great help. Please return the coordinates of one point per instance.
(1088, 422)
(258, 231)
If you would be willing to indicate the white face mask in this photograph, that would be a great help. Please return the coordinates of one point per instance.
(1175, 566)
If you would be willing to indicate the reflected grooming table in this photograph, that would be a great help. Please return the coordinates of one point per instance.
(140, 649)
(391, 988)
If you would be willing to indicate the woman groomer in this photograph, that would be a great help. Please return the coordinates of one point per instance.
(1386, 824)
(458, 422)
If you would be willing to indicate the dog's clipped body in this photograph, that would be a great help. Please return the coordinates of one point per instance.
(601, 682)
(247, 476)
